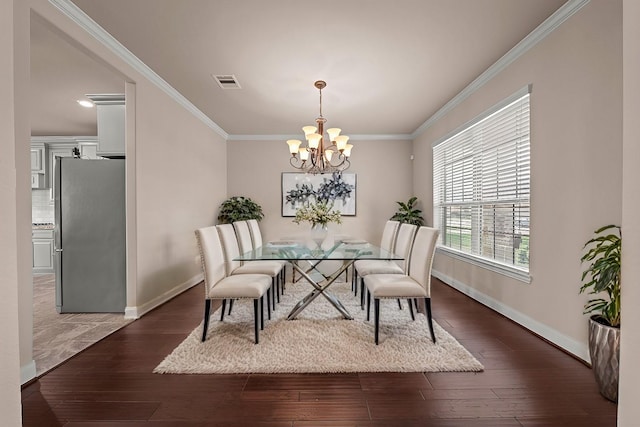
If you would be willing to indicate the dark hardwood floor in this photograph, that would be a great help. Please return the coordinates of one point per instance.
(526, 382)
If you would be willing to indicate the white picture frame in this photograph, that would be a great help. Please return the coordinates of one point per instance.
(302, 188)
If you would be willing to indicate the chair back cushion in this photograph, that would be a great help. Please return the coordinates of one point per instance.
(256, 235)
(211, 256)
(422, 256)
(389, 235)
(244, 236)
(404, 242)
(229, 246)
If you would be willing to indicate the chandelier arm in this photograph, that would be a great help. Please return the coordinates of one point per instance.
(297, 160)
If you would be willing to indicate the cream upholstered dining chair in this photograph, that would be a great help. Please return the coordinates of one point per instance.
(387, 242)
(415, 284)
(245, 242)
(231, 251)
(403, 245)
(256, 239)
(220, 286)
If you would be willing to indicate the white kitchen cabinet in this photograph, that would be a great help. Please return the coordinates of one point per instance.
(37, 158)
(38, 164)
(37, 180)
(42, 245)
(57, 150)
(110, 109)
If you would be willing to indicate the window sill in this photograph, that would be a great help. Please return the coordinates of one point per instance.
(503, 269)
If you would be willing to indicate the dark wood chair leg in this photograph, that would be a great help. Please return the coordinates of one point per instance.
(376, 314)
(207, 311)
(368, 304)
(230, 306)
(273, 286)
(269, 304)
(427, 307)
(224, 307)
(262, 312)
(399, 304)
(276, 281)
(413, 316)
(354, 281)
(362, 291)
(255, 320)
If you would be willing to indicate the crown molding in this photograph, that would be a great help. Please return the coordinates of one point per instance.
(100, 34)
(74, 13)
(362, 137)
(543, 30)
(63, 139)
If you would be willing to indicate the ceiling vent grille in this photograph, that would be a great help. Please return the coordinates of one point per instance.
(227, 81)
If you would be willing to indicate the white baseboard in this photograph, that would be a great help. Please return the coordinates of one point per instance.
(570, 345)
(136, 312)
(28, 372)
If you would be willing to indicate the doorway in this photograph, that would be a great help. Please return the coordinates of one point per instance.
(61, 74)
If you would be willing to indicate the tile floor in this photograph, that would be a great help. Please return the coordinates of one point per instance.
(57, 337)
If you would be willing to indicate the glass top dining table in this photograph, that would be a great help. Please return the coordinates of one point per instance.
(305, 257)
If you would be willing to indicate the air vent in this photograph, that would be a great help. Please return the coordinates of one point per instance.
(227, 81)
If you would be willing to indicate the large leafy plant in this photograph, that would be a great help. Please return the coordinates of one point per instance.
(603, 274)
(239, 208)
(408, 213)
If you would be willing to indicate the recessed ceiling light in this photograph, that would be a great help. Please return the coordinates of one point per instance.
(85, 103)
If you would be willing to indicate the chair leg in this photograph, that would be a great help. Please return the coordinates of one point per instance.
(269, 304)
(224, 307)
(368, 304)
(230, 306)
(399, 304)
(376, 314)
(362, 291)
(276, 280)
(262, 312)
(255, 320)
(413, 316)
(273, 286)
(427, 307)
(354, 281)
(207, 311)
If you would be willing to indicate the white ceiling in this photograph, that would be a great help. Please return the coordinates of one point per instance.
(389, 65)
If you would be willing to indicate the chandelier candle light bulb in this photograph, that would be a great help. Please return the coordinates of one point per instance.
(320, 156)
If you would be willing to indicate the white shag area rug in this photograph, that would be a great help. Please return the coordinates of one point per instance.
(319, 340)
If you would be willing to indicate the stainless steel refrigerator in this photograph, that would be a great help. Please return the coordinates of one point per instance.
(90, 248)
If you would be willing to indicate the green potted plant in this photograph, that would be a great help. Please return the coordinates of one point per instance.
(602, 278)
(239, 208)
(408, 213)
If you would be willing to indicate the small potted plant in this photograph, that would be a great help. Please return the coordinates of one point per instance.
(239, 208)
(408, 213)
(602, 278)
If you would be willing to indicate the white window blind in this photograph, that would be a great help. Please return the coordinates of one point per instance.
(481, 187)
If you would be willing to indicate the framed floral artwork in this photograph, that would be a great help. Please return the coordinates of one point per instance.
(299, 189)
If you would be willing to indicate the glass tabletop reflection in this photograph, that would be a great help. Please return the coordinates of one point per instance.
(344, 250)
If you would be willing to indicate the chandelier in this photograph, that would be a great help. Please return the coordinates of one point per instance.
(320, 155)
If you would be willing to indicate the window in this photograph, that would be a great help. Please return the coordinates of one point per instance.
(481, 188)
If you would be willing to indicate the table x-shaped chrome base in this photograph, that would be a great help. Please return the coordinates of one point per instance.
(319, 289)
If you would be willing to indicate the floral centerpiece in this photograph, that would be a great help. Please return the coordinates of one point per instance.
(318, 213)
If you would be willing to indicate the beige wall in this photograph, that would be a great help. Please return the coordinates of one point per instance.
(576, 157)
(628, 408)
(383, 171)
